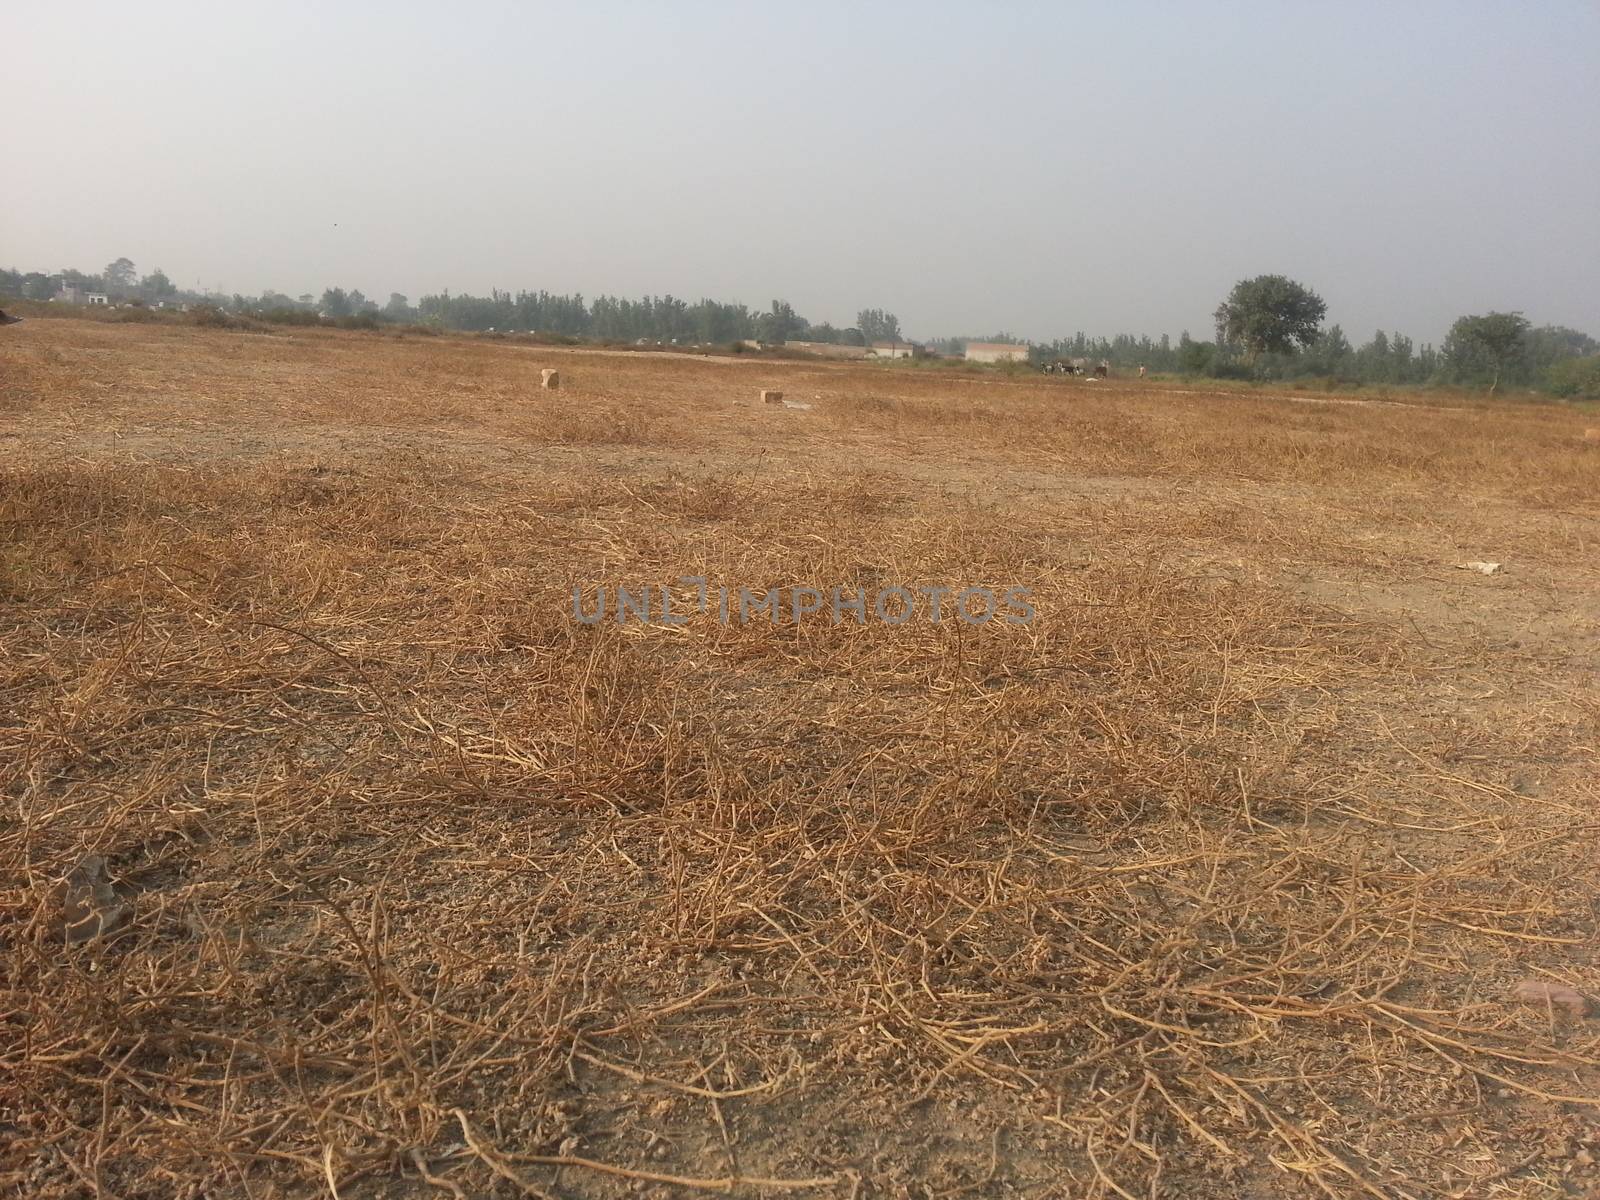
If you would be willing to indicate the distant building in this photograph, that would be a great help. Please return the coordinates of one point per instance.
(893, 350)
(68, 293)
(995, 352)
(96, 298)
(829, 349)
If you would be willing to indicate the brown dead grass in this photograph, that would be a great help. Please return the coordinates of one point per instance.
(1216, 879)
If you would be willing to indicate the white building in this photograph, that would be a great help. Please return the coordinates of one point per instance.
(996, 352)
(893, 350)
(828, 349)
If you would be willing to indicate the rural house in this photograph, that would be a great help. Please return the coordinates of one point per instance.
(996, 352)
(893, 350)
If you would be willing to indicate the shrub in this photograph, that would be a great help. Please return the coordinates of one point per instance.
(291, 316)
(209, 316)
(1225, 369)
(1575, 378)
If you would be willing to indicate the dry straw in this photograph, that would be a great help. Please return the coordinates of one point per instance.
(1214, 880)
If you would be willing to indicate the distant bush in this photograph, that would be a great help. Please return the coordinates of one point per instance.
(291, 316)
(1230, 370)
(138, 315)
(1575, 378)
(357, 321)
(209, 316)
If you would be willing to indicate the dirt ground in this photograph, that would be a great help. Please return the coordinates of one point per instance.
(1259, 863)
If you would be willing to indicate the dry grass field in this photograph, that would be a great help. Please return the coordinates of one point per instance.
(1232, 874)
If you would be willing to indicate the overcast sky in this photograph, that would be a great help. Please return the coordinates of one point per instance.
(972, 167)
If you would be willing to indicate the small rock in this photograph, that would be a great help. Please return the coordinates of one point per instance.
(769, 396)
(1553, 996)
(549, 379)
(1482, 568)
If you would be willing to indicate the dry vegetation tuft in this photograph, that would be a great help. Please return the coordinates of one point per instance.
(1217, 879)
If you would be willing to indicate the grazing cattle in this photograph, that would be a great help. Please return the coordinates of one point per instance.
(1102, 370)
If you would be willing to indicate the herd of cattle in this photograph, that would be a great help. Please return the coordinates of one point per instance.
(1080, 366)
(1077, 366)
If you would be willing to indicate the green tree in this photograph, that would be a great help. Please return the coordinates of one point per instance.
(1334, 351)
(1194, 358)
(335, 303)
(876, 325)
(156, 285)
(1269, 314)
(1550, 344)
(120, 275)
(1575, 378)
(779, 324)
(399, 308)
(1485, 345)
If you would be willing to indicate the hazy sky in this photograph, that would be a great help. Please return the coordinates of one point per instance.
(972, 167)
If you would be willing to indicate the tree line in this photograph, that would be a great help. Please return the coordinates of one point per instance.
(665, 319)
(1269, 327)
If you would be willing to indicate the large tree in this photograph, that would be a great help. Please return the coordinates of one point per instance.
(1487, 344)
(120, 275)
(1270, 314)
(779, 324)
(156, 285)
(876, 325)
